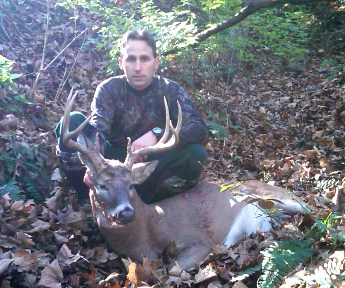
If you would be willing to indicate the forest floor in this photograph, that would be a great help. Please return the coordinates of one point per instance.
(282, 126)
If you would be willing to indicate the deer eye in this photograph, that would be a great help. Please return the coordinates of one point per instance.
(102, 186)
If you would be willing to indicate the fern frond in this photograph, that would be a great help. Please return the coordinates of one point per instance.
(281, 259)
(12, 189)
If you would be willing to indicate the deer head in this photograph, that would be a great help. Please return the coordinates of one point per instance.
(113, 180)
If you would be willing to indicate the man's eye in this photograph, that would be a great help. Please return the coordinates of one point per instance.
(130, 59)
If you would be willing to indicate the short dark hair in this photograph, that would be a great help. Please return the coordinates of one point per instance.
(142, 35)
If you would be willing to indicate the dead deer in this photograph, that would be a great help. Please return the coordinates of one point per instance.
(196, 220)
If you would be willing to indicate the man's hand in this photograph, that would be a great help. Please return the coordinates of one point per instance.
(87, 179)
(148, 139)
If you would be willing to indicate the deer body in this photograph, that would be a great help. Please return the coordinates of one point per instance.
(196, 220)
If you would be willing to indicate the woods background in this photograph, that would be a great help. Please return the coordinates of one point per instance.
(268, 77)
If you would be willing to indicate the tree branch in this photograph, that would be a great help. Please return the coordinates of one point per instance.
(43, 53)
(250, 8)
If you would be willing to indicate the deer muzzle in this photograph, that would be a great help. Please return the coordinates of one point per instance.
(123, 216)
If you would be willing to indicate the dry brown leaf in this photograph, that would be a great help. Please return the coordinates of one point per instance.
(239, 284)
(38, 226)
(137, 274)
(206, 274)
(4, 263)
(9, 123)
(51, 276)
(266, 204)
(53, 202)
(25, 260)
(66, 257)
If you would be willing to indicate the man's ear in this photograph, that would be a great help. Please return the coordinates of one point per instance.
(141, 171)
(157, 63)
(120, 61)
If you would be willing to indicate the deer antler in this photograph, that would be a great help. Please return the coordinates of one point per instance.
(161, 145)
(94, 157)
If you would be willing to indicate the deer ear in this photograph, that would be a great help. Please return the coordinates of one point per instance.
(141, 171)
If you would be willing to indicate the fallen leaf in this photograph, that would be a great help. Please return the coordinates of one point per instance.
(4, 263)
(51, 276)
(206, 274)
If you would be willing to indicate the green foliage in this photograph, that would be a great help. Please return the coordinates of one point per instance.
(327, 30)
(218, 130)
(327, 228)
(329, 183)
(22, 171)
(171, 29)
(246, 273)
(9, 98)
(283, 31)
(281, 258)
(11, 187)
(332, 68)
(6, 77)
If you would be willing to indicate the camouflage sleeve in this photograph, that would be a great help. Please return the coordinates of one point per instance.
(194, 129)
(102, 109)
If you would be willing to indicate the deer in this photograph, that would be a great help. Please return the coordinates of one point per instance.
(196, 220)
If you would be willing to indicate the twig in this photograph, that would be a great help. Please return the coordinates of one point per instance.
(43, 53)
(58, 55)
(3, 28)
(63, 50)
(69, 73)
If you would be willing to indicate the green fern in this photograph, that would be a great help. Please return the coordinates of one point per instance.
(281, 259)
(246, 273)
(12, 189)
(329, 183)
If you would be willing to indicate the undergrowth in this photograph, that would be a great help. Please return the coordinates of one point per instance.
(282, 258)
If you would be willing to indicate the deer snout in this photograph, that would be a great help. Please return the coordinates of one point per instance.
(123, 216)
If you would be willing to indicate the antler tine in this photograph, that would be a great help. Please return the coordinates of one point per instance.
(129, 158)
(94, 157)
(161, 145)
(175, 139)
(67, 135)
(167, 122)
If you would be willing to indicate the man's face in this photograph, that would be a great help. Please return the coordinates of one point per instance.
(138, 64)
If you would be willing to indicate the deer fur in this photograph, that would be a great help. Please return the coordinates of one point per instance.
(197, 220)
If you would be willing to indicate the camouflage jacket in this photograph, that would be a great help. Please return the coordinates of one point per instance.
(118, 111)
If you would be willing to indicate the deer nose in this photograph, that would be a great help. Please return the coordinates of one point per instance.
(125, 216)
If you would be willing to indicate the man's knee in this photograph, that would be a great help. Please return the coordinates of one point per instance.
(197, 156)
(197, 153)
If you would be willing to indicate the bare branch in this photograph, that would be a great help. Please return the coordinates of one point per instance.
(44, 51)
(250, 8)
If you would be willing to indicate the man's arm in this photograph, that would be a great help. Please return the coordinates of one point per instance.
(102, 111)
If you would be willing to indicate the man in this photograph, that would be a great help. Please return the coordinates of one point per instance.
(132, 106)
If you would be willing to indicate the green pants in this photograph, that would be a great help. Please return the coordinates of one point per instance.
(177, 170)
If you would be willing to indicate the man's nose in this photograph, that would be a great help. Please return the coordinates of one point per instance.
(138, 65)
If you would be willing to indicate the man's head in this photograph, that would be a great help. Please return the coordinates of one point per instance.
(138, 58)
